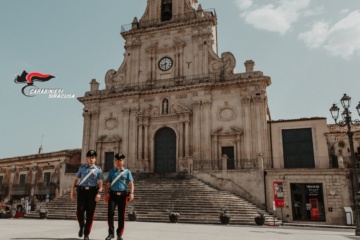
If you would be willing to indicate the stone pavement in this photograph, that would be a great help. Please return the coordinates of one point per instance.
(44, 229)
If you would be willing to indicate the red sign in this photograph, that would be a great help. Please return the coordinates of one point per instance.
(278, 194)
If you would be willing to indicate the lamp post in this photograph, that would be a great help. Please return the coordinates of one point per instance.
(348, 122)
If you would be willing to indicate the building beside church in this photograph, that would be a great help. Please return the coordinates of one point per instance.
(37, 177)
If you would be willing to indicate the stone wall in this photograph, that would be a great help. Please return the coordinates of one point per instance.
(248, 184)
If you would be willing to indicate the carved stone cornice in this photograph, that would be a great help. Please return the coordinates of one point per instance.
(47, 167)
(246, 100)
(234, 131)
(196, 106)
(125, 110)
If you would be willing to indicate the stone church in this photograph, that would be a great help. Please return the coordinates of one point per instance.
(176, 104)
(175, 100)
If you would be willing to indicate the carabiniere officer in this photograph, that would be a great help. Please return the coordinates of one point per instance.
(119, 189)
(90, 178)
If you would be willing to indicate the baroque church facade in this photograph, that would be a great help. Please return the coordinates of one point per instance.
(175, 100)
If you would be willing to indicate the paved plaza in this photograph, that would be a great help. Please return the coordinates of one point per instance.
(43, 229)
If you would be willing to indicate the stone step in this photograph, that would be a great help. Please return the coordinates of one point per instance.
(154, 193)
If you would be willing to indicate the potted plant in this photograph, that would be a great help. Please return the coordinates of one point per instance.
(173, 216)
(260, 219)
(131, 213)
(43, 212)
(224, 217)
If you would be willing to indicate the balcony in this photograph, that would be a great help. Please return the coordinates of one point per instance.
(21, 190)
(41, 189)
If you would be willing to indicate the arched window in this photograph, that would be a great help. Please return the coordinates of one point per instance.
(166, 10)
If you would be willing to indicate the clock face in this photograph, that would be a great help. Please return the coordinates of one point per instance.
(165, 63)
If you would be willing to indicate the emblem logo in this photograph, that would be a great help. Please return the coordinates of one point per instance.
(30, 78)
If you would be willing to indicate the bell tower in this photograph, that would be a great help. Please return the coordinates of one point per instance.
(173, 39)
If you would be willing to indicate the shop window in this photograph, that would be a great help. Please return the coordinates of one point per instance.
(298, 148)
(1, 180)
(307, 202)
(109, 161)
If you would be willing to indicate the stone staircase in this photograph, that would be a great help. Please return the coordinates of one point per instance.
(196, 202)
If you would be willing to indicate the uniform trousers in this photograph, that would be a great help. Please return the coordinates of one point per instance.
(120, 202)
(86, 203)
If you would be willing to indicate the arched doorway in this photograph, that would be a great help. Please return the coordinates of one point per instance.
(165, 151)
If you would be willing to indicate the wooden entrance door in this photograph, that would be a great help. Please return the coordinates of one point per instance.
(165, 151)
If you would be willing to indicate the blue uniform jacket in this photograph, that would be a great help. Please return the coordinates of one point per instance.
(121, 183)
(92, 180)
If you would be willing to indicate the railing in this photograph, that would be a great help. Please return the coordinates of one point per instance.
(41, 189)
(142, 24)
(21, 189)
(72, 168)
(236, 164)
(4, 189)
(318, 162)
(302, 161)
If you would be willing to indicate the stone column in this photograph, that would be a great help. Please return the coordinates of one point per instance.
(11, 182)
(86, 133)
(140, 138)
(94, 130)
(237, 155)
(181, 139)
(146, 144)
(196, 130)
(33, 179)
(187, 135)
(260, 161)
(215, 161)
(206, 123)
(132, 137)
(247, 127)
(125, 149)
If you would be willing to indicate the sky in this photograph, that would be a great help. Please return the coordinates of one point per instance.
(309, 48)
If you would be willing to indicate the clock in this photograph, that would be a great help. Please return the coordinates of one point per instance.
(165, 63)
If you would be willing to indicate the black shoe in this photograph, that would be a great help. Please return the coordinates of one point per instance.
(81, 232)
(119, 238)
(86, 238)
(111, 236)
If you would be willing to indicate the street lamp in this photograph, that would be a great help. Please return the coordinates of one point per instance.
(348, 122)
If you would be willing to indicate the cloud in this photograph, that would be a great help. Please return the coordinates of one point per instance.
(275, 18)
(341, 39)
(244, 4)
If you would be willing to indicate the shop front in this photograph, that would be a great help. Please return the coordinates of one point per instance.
(307, 202)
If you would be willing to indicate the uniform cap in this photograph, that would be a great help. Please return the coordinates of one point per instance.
(119, 156)
(91, 153)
